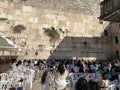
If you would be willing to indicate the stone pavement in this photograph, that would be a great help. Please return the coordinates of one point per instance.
(37, 85)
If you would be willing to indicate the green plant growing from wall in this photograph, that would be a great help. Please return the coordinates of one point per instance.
(19, 28)
(53, 34)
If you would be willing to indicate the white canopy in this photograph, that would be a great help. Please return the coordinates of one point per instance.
(7, 45)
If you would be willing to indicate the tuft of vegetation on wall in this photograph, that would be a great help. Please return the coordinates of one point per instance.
(19, 28)
(53, 34)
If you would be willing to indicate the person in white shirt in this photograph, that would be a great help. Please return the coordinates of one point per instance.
(105, 81)
(60, 77)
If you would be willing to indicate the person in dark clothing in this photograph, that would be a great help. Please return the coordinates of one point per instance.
(93, 86)
(19, 62)
(82, 84)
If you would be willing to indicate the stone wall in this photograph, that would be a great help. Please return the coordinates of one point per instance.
(115, 32)
(77, 25)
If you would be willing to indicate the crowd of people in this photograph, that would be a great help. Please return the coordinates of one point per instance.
(96, 74)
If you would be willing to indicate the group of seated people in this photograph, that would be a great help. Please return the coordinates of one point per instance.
(58, 71)
(109, 72)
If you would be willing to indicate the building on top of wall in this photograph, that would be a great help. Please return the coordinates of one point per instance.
(110, 11)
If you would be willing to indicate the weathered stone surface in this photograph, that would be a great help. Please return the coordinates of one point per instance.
(10, 16)
(76, 6)
(4, 5)
(77, 19)
(3, 15)
(27, 9)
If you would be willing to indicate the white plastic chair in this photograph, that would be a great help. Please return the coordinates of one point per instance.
(114, 82)
(4, 77)
(112, 87)
(68, 83)
(3, 85)
(80, 75)
(10, 82)
(28, 82)
(14, 66)
(73, 80)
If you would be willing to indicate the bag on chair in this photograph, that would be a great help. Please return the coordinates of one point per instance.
(20, 88)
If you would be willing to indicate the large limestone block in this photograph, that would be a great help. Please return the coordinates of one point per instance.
(27, 8)
(61, 17)
(50, 16)
(4, 5)
(46, 26)
(100, 46)
(35, 11)
(10, 16)
(18, 12)
(50, 22)
(3, 15)
(1, 10)
(34, 26)
(19, 22)
(26, 14)
(2, 27)
(15, 17)
(36, 19)
(56, 22)
(20, 18)
(76, 26)
(16, 1)
(43, 20)
(81, 27)
(10, 8)
(62, 23)
(40, 27)
(31, 19)
(68, 23)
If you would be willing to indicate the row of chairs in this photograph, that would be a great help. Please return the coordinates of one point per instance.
(16, 78)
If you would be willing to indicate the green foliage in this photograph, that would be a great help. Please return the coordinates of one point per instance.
(52, 33)
(19, 28)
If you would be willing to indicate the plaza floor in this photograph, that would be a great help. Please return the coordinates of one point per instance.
(37, 85)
